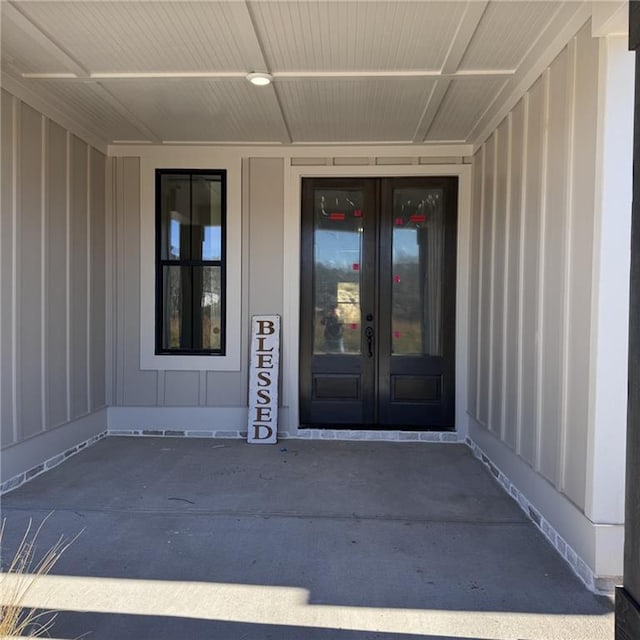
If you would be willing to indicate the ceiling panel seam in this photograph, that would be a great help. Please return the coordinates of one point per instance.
(569, 19)
(267, 69)
(464, 34)
(46, 106)
(460, 43)
(15, 15)
(431, 109)
(126, 113)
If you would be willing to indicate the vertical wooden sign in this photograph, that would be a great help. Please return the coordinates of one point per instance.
(263, 380)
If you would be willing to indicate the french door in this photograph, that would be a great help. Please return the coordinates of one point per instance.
(378, 288)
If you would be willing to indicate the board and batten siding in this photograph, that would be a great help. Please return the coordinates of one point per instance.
(52, 283)
(262, 269)
(531, 278)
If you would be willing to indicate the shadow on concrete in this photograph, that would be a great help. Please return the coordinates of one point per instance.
(134, 627)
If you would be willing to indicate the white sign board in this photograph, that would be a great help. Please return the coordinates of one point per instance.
(263, 380)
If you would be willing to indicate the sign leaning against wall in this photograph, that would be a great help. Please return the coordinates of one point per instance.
(263, 380)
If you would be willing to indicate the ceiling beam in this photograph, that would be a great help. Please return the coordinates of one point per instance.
(397, 73)
(277, 75)
(461, 40)
(460, 43)
(20, 21)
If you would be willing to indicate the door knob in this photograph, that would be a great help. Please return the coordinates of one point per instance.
(368, 332)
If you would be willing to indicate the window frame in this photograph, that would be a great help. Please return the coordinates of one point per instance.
(160, 263)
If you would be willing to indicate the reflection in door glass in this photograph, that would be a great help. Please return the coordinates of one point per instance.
(417, 272)
(337, 251)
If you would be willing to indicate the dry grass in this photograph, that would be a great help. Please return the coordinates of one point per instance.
(15, 619)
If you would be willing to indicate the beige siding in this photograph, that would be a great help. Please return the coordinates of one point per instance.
(263, 212)
(580, 259)
(134, 387)
(513, 316)
(485, 286)
(532, 214)
(56, 279)
(78, 218)
(474, 293)
(500, 231)
(533, 288)
(227, 388)
(50, 270)
(181, 388)
(7, 253)
(97, 281)
(266, 215)
(553, 268)
(28, 278)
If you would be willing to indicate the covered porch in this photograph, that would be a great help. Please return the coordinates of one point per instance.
(211, 538)
(526, 105)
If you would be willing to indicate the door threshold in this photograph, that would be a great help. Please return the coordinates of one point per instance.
(377, 435)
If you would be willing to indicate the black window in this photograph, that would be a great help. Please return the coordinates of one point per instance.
(190, 261)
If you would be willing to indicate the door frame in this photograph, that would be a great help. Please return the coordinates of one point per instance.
(291, 272)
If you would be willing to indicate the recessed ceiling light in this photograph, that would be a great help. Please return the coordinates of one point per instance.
(259, 79)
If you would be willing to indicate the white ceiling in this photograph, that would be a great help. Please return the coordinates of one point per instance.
(345, 71)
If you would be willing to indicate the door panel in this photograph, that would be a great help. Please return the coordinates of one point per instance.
(378, 302)
(417, 302)
(338, 248)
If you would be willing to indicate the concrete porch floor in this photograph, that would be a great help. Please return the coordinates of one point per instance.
(216, 539)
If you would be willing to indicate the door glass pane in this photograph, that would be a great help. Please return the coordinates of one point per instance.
(206, 217)
(175, 243)
(337, 251)
(417, 272)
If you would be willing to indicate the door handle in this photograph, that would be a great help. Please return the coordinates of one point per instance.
(368, 332)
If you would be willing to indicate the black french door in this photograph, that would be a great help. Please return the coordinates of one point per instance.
(378, 288)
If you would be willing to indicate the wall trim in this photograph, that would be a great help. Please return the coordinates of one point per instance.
(291, 286)
(308, 154)
(47, 465)
(302, 434)
(230, 422)
(174, 158)
(193, 419)
(25, 460)
(592, 550)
